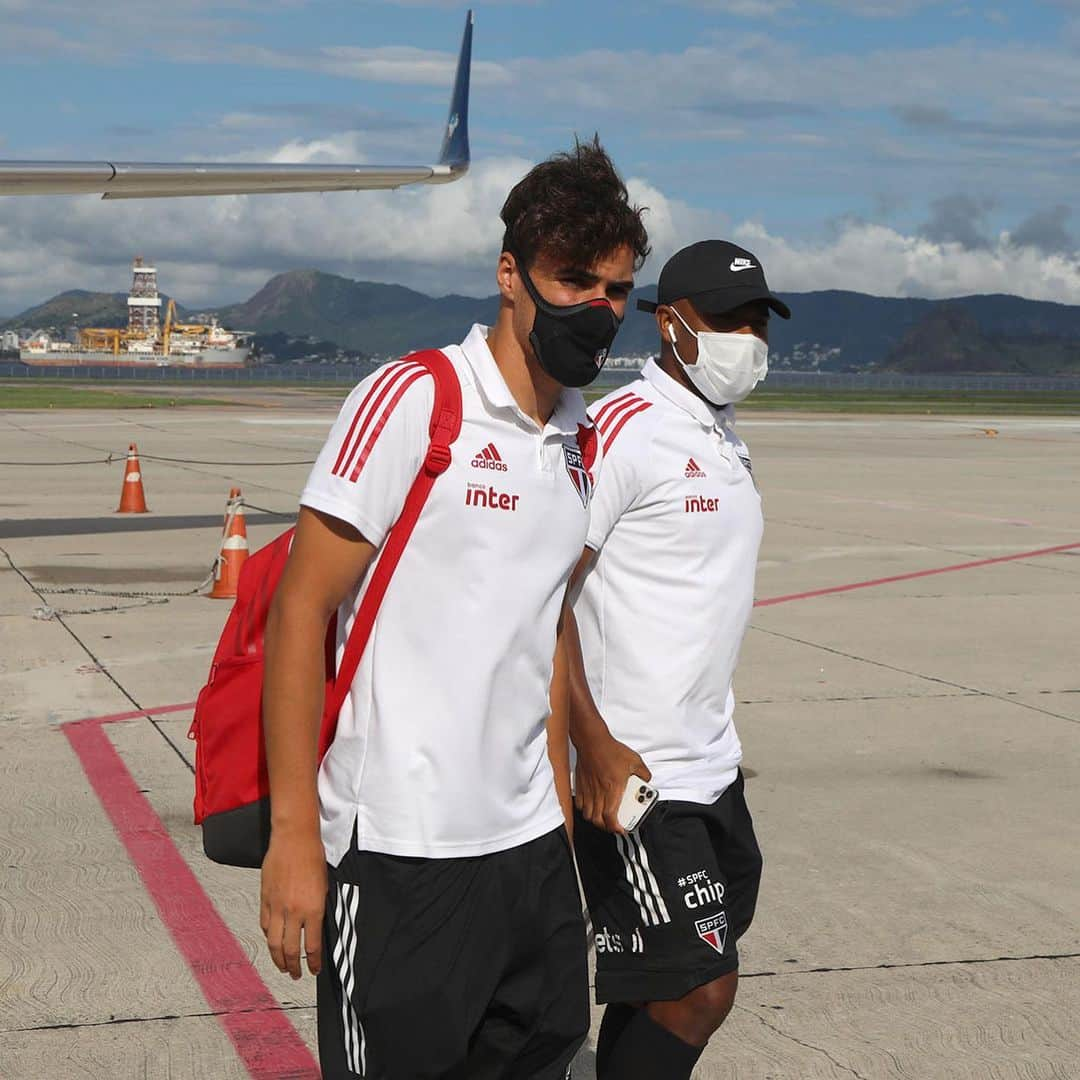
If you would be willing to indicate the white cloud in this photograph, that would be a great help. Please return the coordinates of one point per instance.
(442, 239)
(1003, 81)
(107, 29)
(392, 64)
(456, 5)
(883, 261)
(330, 150)
(672, 224)
(884, 9)
(770, 9)
(745, 9)
(396, 64)
(446, 239)
(192, 31)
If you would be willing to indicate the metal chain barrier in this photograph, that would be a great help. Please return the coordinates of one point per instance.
(45, 613)
(267, 510)
(146, 597)
(122, 456)
(233, 464)
(55, 464)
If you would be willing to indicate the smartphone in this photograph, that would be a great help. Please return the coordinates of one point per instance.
(637, 802)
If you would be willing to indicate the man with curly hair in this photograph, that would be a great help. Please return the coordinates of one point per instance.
(424, 870)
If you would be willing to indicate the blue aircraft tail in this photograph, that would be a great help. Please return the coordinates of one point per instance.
(455, 146)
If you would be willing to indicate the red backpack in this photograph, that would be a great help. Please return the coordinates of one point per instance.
(232, 791)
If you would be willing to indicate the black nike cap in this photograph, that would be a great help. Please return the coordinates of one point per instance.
(715, 276)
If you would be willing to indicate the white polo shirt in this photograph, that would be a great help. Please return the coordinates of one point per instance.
(441, 747)
(676, 524)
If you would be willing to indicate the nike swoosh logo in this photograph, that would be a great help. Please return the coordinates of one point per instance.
(734, 268)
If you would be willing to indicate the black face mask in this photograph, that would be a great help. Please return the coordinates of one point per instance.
(571, 341)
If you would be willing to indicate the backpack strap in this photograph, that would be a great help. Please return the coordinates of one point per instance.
(444, 428)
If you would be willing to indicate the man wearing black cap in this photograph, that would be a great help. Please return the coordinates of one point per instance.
(666, 588)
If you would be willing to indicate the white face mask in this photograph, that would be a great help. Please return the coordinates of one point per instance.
(728, 366)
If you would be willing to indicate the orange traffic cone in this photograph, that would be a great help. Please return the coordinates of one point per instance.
(234, 550)
(132, 496)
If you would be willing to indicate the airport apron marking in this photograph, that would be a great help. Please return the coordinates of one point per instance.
(265, 1040)
(263, 1037)
(915, 574)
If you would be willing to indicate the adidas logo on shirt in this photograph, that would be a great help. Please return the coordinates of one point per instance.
(489, 458)
(694, 471)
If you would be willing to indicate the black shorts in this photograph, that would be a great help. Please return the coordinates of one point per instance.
(456, 968)
(669, 902)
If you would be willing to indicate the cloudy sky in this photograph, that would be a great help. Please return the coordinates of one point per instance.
(898, 147)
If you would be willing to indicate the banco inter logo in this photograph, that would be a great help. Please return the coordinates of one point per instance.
(489, 458)
(490, 499)
(698, 504)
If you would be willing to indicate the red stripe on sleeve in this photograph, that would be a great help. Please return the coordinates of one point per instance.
(377, 430)
(619, 411)
(384, 387)
(382, 377)
(615, 405)
(640, 408)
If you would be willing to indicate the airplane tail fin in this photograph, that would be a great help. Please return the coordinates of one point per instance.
(455, 146)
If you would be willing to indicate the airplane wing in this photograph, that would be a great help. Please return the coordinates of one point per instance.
(145, 180)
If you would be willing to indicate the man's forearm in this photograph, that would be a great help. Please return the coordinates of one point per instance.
(558, 731)
(293, 690)
(585, 720)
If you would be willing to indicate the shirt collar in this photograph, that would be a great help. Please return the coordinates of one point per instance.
(709, 416)
(569, 409)
(569, 412)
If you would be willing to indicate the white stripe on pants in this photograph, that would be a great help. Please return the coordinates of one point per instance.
(348, 899)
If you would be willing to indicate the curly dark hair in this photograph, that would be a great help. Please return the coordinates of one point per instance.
(573, 206)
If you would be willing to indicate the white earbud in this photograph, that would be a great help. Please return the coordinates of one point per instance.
(671, 333)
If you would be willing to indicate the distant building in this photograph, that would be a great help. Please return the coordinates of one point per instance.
(9, 341)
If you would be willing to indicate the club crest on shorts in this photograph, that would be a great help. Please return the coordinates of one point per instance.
(579, 475)
(713, 930)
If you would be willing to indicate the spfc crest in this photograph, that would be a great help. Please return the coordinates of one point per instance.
(713, 930)
(579, 475)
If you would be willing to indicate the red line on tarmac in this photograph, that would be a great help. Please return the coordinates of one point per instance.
(265, 1040)
(158, 710)
(913, 575)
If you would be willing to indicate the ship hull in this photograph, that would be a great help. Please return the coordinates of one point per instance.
(218, 359)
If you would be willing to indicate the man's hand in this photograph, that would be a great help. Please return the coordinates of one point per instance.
(604, 765)
(293, 901)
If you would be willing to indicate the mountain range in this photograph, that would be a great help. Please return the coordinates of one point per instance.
(829, 331)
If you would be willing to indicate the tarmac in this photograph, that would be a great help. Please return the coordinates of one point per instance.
(910, 721)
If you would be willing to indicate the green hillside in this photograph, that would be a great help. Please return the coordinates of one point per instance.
(375, 319)
(829, 331)
(91, 309)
